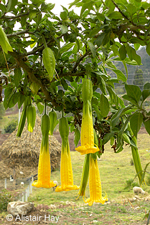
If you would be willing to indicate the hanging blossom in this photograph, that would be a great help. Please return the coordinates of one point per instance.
(95, 184)
(87, 133)
(66, 166)
(44, 167)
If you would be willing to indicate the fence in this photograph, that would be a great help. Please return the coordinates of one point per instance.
(16, 185)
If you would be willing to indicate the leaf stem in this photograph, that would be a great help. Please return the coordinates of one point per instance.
(45, 108)
(44, 42)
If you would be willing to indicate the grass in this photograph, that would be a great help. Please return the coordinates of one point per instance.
(6, 119)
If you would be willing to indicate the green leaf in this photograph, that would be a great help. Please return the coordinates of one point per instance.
(120, 75)
(64, 29)
(64, 15)
(49, 61)
(23, 21)
(17, 76)
(145, 94)
(11, 4)
(110, 5)
(147, 85)
(104, 105)
(98, 41)
(120, 149)
(37, 2)
(137, 58)
(73, 3)
(136, 46)
(4, 41)
(21, 100)
(102, 85)
(130, 99)
(132, 54)
(92, 48)
(32, 14)
(110, 64)
(40, 107)
(13, 99)
(9, 90)
(147, 125)
(148, 48)
(134, 92)
(107, 137)
(2, 8)
(87, 5)
(115, 15)
(136, 122)
(77, 137)
(66, 47)
(64, 84)
(116, 118)
(112, 94)
(122, 52)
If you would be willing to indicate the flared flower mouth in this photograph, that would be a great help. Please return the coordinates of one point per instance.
(101, 200)
(86, 149)
(38, 184)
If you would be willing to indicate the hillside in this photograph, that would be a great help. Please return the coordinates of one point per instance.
(145, 67)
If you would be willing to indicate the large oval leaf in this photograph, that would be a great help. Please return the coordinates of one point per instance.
(49, 61)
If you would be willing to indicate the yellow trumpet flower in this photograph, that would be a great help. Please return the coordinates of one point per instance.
(66, 171)
(66, 166)
(95, 184)
(44, 167)
(87, 132)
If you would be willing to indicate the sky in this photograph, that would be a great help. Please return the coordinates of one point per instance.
(57, 9)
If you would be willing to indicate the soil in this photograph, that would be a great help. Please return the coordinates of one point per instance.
(69, 213)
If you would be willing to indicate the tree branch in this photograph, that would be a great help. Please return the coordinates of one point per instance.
(138, 26)
(79, 60)
(13, 17)
(17, 33)
(31, 75)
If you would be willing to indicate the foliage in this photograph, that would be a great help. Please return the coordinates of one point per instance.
(5, 198)
(11, 126)
(2, 110)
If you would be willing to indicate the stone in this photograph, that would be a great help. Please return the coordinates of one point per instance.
(19, 208)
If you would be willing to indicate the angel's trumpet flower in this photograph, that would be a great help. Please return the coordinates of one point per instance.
(95, 184)
(87, 133)
(66, 167)
(44, 167)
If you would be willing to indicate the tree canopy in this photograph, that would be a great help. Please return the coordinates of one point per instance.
(49, 55)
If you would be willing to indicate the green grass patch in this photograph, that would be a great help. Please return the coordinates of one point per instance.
(6, 120)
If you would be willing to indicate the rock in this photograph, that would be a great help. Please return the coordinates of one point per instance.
(138, 190)
(19, 208)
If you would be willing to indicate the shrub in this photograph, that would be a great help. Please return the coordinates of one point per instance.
(11, 126)
(5, 198)
(130, 184)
